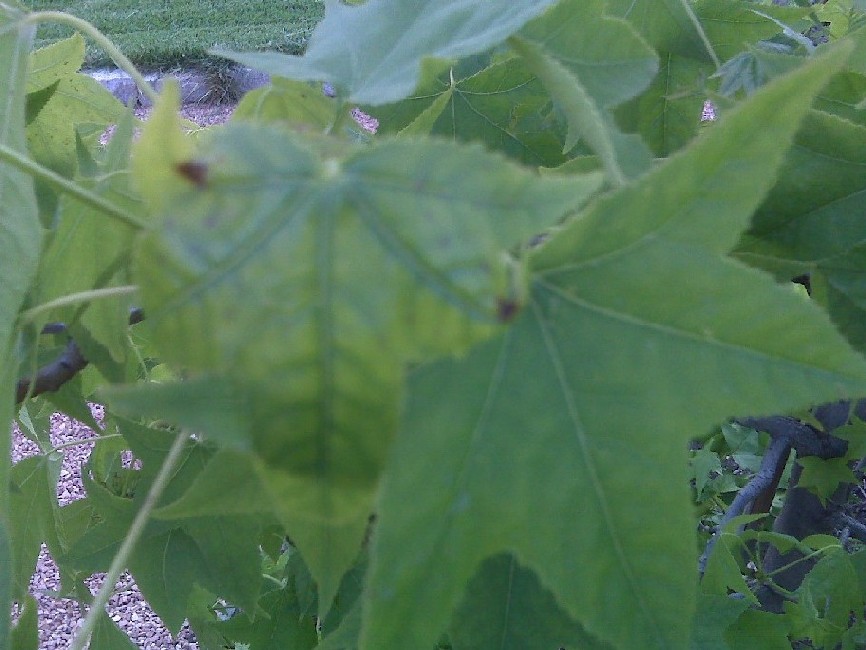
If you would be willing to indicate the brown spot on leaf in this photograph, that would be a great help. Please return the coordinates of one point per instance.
(506, 309)
(193, 171)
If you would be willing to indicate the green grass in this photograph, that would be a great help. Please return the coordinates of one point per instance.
(163, 34)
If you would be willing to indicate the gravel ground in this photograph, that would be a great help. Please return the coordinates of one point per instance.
(60, 618)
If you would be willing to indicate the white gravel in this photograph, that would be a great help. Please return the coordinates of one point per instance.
(60, 618)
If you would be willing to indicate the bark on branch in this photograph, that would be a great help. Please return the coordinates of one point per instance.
(70, 362)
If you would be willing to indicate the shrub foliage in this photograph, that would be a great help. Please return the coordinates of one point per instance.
(435, 386)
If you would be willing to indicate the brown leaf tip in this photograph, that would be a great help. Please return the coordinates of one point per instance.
(193, 171)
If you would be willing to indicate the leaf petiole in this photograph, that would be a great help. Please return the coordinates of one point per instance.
(132, 537)
(75, 443)
(100, 39)
(62, 184)
(76, 298)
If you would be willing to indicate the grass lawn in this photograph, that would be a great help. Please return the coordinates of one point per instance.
(168, 33)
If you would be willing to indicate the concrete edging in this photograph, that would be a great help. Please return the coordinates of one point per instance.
(196, 87)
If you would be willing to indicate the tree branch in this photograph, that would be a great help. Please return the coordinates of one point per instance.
(70, 362)
(767, 478)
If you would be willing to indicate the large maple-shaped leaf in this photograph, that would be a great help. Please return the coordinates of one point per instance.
(573, 426)
(373, 53)
(314, 278)
(818, 226)
(310, 278)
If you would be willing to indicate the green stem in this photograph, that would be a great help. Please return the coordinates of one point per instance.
(62, 184)
(100, 39)
(76, 298)
(86, 441)
(135, 531)
(805, 558)
(703, 35)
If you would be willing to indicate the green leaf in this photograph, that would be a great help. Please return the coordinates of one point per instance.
(159, 151)
(220, 553)
(503, 106)
(348, 268)
(216, 407)
(20, 235)
(751, 69)
(625, 351)
(33, 502)
(724, 572)
(729, 24)
(77, 99)
(107, 636)
(772, 632)
(667, 115)
(227, 467)
(822, 477)
(506, 607)
(351, 46)
(37, 99)
(714, 615)
(704, 463)
(88, 251)
(810, 221)
(612, 62)
(293, 103)
(841, 97)
(668, 25)
(345, 637)
(279, 625)
(581, 79)
(25, 634)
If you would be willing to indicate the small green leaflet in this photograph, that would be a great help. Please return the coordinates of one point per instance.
(77, 99)
(627, 362)
(349, 47)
